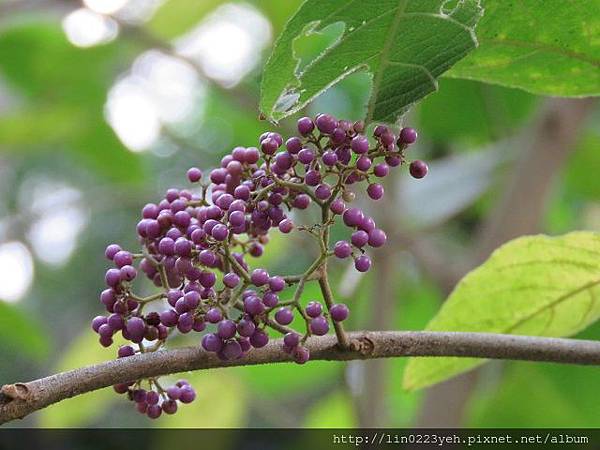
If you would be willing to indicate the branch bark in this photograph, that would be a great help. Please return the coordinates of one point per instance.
(20, 399)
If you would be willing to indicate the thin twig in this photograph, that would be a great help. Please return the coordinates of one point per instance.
(20, 399)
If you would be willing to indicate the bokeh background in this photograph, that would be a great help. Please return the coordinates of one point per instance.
(104, 104)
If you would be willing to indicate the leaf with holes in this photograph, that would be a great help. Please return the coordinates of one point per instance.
(405, 44)
(549, 48)
(535, 285)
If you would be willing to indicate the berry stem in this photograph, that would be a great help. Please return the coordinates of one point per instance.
(328, 298)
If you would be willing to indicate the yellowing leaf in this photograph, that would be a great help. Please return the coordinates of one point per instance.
(535, 285)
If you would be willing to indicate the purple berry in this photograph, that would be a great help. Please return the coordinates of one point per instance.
(286, 226)
(128, 273)
(418, 169)
(339, 312)
(169, 406)
(323, 191)
(270, 299)
(97, 322)
(381, 170)
(342, 249)
(194, 174)
(314, 309)
(291, 340)
(319, 326)
(246, 327)
(188, 395)
(360, 238)
(377, 238)
(362, 263)
(305, 126)
(329, 158)
(301, 355)
(169, 318)
(231, 280)
(259, 339)
(232, 350)
(407, 136)
(363, 163)
(111, 251)
(284, 316)
(306, 156)
(293, 145)
(326, 123)
(259, 277)
(226, 329)
(360, 144)
(352, 217)
(113, 277)
(173, 392)
(253, 306)
(212, 343)
(375, 191)
(123, 258)
(214, 315)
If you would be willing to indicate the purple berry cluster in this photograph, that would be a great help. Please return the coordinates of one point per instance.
(153, 402)
(196, 246)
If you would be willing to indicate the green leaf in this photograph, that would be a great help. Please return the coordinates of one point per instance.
(404, 44)
(548, 48)
(471, 113)
(334, 411)
(20, 334)
(534, 285)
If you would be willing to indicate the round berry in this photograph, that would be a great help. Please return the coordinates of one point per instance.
(381, 170)
(362, 263)
(363, 163)
(259, 339)
(305, 126)
(407, 136)
(286, 226)
(259, 277)
(326, 123)
(319, 326)
(375, 191)
(339, 312)
(323, 191)
(232, 350)
(214, 315)
(194, 174)
(342, 249)
(337, 206)
(352, 217)
(284, 316)
(301, 355)
(360, 238)
(226, 329)
(231, 280)
(111, 251)
(418, 169)
(291, 340)
(377, 238)
(276, 284)
(212, 343)
(360, 144)
(314, 309)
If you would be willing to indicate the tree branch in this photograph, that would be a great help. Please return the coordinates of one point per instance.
(20, 399)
